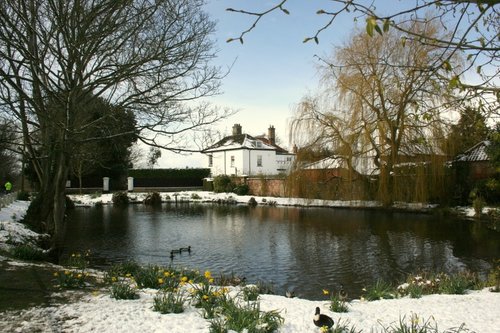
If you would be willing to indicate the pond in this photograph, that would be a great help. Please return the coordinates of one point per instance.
(300, 249)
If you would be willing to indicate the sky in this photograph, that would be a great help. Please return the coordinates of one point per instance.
(270, 71)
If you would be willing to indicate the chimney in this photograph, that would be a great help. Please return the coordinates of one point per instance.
(271, 135)
(236, 129)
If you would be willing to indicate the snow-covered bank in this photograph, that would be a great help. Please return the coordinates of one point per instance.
(98, 312)
(207, 196)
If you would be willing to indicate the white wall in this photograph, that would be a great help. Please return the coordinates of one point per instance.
(245, 162)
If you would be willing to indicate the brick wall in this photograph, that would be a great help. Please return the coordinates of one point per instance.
(274, 187)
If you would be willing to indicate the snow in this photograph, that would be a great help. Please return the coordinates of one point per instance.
(98, 312)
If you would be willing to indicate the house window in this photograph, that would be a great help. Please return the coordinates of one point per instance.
(259, 160)
(232, 161)
(210, 160)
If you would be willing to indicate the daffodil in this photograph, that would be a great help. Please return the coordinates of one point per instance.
(166, 274)
(326, 292)
(113, 279)
(184, 279)
(208, 275)
(211, 280)
(67, 272)
(160, 281)
(56, 274)
(205, 297)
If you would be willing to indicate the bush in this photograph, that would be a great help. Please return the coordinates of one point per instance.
(120, 198)
(153, 199)
(23, 196)
(223, 183)
(241, 189)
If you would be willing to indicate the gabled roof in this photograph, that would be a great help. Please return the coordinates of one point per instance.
(265, 140)
(475, 154)
(240, 141)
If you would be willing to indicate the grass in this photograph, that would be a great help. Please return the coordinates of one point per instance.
(27, 252)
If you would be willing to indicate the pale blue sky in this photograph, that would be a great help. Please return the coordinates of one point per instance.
(271, 71)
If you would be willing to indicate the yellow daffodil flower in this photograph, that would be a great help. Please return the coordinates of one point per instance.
(166, 274)
(184, 279)
(208, 275)
(160, 281)
(326, 292)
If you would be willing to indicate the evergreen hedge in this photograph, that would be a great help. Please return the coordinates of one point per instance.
(168, 177)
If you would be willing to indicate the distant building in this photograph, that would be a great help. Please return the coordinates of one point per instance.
(476, 161)
(245, 155)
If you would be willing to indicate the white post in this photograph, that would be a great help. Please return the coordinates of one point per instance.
(130, 187)
(105, 184)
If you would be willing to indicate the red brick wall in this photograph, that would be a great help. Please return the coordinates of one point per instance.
(261, 186)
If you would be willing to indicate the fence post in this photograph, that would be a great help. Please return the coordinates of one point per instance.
(130, 187)
(105, 184)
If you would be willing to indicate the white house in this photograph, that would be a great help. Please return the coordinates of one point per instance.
(244, 155)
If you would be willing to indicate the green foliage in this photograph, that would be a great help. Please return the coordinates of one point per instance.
(169, 177)
(249, 317)
(153, 199)
(120, 198)
(250, 293)
(223, 183)
(77, 260)
(440, 283)
(28, 252)
(417, 325)
(195, 196)
(494, 277)
(23, 196)
(123, 290)
(338, 303)
(68, 279)
(169, 302)
(241, 189)
(380, 290)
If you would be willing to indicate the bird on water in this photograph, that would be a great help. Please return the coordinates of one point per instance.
(321, 320)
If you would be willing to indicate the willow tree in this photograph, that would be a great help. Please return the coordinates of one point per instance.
(381, 100)
(56, 56)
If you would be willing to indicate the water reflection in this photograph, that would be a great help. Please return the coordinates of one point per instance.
(295, 248)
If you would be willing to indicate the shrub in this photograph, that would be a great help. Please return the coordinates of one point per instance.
(23, 196)
(27, 252)
(153, 199)
(169, 302)
(241, 189)
(120, 198)
(195, 196)
(494, 277)
(223, 183)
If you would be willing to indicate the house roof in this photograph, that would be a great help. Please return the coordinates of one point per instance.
(362, 165)
(475, 154)
(240, 141)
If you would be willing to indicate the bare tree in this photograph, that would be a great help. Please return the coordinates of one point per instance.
(56, 56)
(472, 25)
(380, 100)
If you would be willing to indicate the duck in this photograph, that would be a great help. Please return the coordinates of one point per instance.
(342, 293)
(188, 249)
(321, 320)
(289, 294)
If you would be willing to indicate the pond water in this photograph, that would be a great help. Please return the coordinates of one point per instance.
(300, 249)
